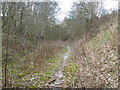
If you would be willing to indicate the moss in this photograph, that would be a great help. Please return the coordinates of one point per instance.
(71, 72)
(51, 68)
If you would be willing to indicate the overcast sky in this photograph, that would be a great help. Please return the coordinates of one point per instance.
(66, 5)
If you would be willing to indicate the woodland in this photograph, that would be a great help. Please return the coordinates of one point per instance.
(40, 51)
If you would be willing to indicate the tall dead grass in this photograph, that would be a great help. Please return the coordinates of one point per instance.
(43, 52)
(98, 63)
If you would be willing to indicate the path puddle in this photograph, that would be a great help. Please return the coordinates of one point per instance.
(57, 77)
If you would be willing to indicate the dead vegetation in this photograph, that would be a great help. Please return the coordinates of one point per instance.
(35, 61)
(98, 61)
(44, 52)
(34, 40)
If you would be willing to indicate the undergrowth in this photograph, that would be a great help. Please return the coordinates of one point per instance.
(98, 60)
(36, 68)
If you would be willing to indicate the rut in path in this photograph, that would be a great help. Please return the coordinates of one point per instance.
(57, 78)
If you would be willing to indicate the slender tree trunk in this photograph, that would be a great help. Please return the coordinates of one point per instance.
(7, 28)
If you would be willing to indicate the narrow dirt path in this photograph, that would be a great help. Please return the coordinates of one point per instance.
(57, 79)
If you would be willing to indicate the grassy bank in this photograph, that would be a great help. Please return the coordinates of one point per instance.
(98, 60)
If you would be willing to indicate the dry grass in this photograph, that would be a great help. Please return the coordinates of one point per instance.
(22, 70)
(43, 52)
(98, 60)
